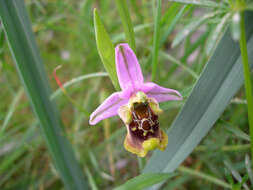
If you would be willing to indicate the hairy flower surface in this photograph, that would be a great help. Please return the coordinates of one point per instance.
(137, 105)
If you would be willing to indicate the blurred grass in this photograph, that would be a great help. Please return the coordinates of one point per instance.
(65, 35)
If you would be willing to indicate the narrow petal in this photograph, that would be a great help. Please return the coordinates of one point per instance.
(108, 108)
(159, 93)
(128, 69)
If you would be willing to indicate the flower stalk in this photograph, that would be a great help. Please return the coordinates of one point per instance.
(247, 82)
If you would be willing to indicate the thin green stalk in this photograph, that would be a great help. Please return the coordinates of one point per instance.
(127, 23)
(202, 175)
(247, 82)
(226, 148)
(156, 39)
(12, 109)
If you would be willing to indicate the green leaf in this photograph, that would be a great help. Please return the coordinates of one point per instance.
(31, 71)
(206, 3)
(105, 49)
(218, 83)
(145, 180)
(127, 23)
(191, 27)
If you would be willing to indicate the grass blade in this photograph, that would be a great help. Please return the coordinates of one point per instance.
(77, 80)
(220, 80)
(204, 176)
(11, 110)
(156, 39)
(127, 23)
(105, 49)
(172, 23)
(191, 27)
(235, 174)
(203, 3)
(31, 71)
(217, 33)
(145, 180)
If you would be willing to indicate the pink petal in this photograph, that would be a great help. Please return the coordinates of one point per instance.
(161, 94)
(128, 69)
(108, 108)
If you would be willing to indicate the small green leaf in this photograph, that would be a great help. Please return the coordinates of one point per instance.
(145, 180)
(105, 49)
(206, 3)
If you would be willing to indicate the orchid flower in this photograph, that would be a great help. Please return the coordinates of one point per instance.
(137, 105)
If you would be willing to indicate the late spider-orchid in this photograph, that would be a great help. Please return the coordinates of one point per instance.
(137, 105)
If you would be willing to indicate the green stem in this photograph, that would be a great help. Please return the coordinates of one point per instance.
(127, 23)
(226, 148)
(247, 82)
(156, 39)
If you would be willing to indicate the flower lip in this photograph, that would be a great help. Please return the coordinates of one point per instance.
(144, 133)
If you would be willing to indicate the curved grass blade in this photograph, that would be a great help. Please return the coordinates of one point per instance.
(172, 22)
(145, 180)
(31, 71)
(209, 178)
(77, 80)
(203, 3)
(105, 49)
(127, 23)
(218, 83)
(191, 27)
